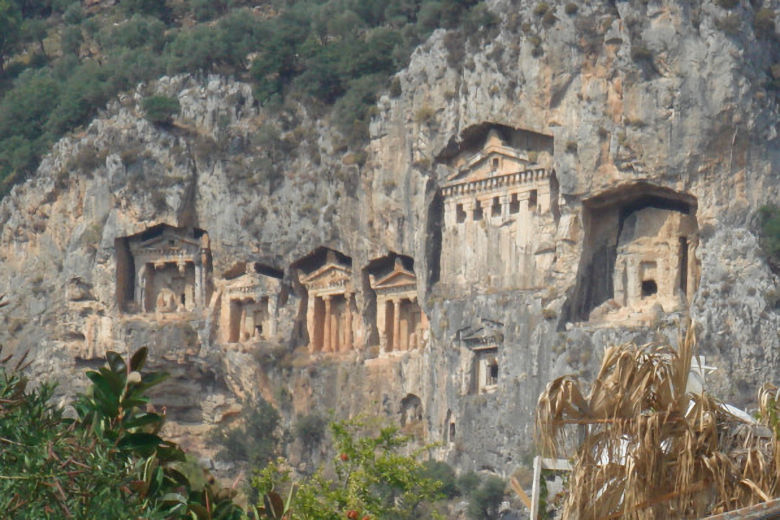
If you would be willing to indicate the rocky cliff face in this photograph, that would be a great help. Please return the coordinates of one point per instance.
(643, 117)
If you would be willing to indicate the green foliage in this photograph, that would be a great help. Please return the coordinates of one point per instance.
(10, 25)
(571, 8)
(310, 430)
(764, 22)
(369, 478)
(253, 438)
(161, 109)
(728, 4)
(110, 462)
(467, 483)
(338, 54)
(486, 498)
(442, 472)
(770, 233)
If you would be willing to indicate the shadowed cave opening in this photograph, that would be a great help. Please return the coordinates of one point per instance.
(638, 247)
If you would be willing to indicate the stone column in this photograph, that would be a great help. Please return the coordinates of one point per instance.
(140, 288)
(396, 323)
(348, 330)
(242, 323)
(326, 344)
(504, 200)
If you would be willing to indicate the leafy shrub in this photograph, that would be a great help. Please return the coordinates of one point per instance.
(571, 8)
(467, 483)
(310, 430)
(486, 499)
(729, 24)
(728, 4)
(764, 22)
(253, 438)
(110, 462)
(368, 478)
(442, 472)
(541, 9)
(73, 14)
(160, 109)
(549, 18)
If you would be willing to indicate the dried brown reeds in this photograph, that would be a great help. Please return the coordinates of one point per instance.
(651, 450)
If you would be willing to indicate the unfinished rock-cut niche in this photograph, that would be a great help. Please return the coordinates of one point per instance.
(639, 252)
(484, 341)
(332, 320)
(500, 193)
(250, 302)
(400, 322)
(164, 270)
(411, 410)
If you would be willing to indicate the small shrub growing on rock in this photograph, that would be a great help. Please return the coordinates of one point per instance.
(764, 22)
(486, 499)
(541, 9)
(549, 18)
(310, 430)
(729, 24)
(161, 109)
(571, 8)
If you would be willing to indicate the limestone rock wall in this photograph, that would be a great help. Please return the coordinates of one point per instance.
(639, 99)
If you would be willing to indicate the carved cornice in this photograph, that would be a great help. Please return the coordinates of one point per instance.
(492, 183)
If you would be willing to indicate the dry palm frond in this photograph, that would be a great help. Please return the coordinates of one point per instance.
(653, 451)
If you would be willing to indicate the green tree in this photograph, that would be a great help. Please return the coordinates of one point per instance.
(370, 478)
(253, 438)
(10, 25)
(485, 500)
(34, 30)
(161, 109)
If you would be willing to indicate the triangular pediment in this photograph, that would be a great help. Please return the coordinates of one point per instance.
(328, 274)
(487, 333)
(397, 278)
(168, 240)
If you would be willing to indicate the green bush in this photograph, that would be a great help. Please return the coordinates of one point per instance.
(253, 438)
(730, 24)
(467, 483)
(571, 8)
(541, 9)
(369, 477)
(110, 462)
(161, 109)
(310, 430)
(728, 4)
(442, 472)
(485, 500)
(764, 22)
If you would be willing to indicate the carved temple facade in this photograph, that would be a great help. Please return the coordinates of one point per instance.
(401, 324)
(250, 304)
(500, 192)
(655, 259)
(331, 313)
(164, 270)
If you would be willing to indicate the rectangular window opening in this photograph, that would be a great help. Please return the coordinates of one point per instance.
(460, 215)
(496, 207)
(514, 204)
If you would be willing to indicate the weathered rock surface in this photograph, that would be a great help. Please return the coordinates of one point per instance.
(632, 94)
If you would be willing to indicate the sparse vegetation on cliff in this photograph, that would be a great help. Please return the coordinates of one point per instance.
(61, 62)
